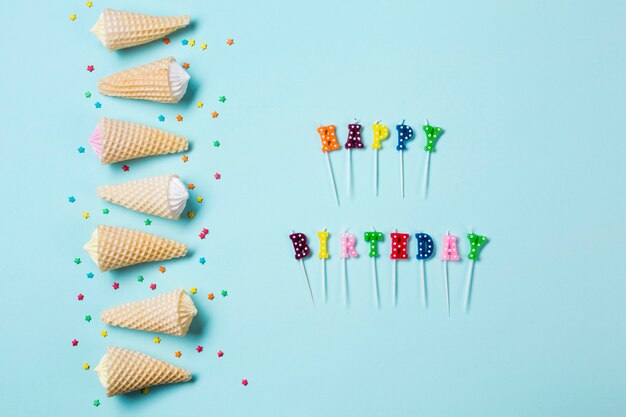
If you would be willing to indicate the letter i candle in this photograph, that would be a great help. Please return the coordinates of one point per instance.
(302, 250)
(405, 134)
(347, 251)
(373, 238)
(381, 132)
(329, 144)
(399, 242)
(425, 249)
(449, 252)
(477, 243)
(433, 133)
(323, 255)
(353, 141)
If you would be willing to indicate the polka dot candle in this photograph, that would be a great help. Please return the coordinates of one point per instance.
(425, 246)
(323, 237)
(300, 246)
(373, 238)
(399, 243)
(328, 138)
(405, 134)
(433, 133)
(449, 251)
(381, 132)
(354, 137)
(477, 243)
(347, 246)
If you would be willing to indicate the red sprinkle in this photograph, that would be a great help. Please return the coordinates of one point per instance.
(116, 285)
(80, 297)
(244, 382)
(74, 342)
(153, 286)
(199, 348)
(125, 168)
(220, 353)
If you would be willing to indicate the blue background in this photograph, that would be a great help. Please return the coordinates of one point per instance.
(532, 97)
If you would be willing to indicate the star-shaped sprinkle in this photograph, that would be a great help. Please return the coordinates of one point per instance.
(71, 199)
(86, 366)
(214, 114)
(153, 286)
(73, 17)
(125, 168)
(191, 214)
(166, 41)
(90, 275)
(220, 353)
(90, 68)
(104, 333)
(148, 222)
(186, 65)
(217, 175)
(140, 278)
(244, 382)
(88, 318)
(216, 143)
(202, 261)
(211, 296)
(203, 46)
(199, 348)
(85, 214)
(205, 231)
(80, 297)
(81, 149)
(145, 391)
(105, 211)
(87, 94)
(162, 269)
(179, 118)
(185, 158)
(177, 354)
(184, 42)
(157, 339)
(192, 42)
(161, 118)
(224, 293)
(96, 403)
(230, 41)
(193, 290)
(77, 261)
(97, 105)
(191, 186)
(74, 342)
(199, 199)
(116, 285)
(89, 4)
(199, 104)
(222, 99)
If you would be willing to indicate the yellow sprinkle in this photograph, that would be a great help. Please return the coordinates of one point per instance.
(89, 3)
(157, 339)
(73, 17)
(86, 214)
(86, 366)
(203, 46)
(199, 199)
(193, 290)
(199, 104)
(145, 391)
(191, 214)
(192, 42)
(104, 333)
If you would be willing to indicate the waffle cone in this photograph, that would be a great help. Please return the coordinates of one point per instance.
(117, 29)
(145, 82)
(169, 313)
(119, 247)
(127, 370)
(147, 195)
(122, 141)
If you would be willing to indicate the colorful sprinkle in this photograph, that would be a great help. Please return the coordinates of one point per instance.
(157, 339)
(74, 342)
(85, 214)
(87, 94)
(199, 104)
(104, 333)
(222, 99)
(125, 168)
(97, 105)
(202, 261)
(77, 261)
(230, 41)
(81, 149)
(199, 199)
(80, 297)
(179, 118)
(211, 296)
(96, 403)
(185, 158)
(105, 211)
(86, 366)
(88, 318)
(186, 65)
(184, 42)
(192, 42)
(89, 4)
(216, 143)
(90, 68)
(224, 293)
(166, 41)
(220, 353)
(153, 286)
(90, 275)
(214, 114)
(73, 17)
(193, 290)
(177, 354)
(244, 382)
(162, 269)
(145, 391)
(203, 46)
(140, 278)
(191, 186)
(199, 348)
(217, 175)
(161, 118)
(148, 222)
(116, 285)
(71, 199)
(191, 214)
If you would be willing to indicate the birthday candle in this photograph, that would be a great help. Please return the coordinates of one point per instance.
(353, 141)
(301, 251)
(373, 238)
(347, 251)
(323, 255)
(449, 252)
(425, 249)
(399, 242)
(405, 134)
(433, 133)
(381, 132)
(477, 244)
(329, 144)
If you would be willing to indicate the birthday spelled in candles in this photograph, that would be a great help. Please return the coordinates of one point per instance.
(399, 247)
(380, 132)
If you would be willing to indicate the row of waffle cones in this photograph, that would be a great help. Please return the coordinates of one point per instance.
(122, 370)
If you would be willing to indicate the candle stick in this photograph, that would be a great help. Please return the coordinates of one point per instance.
(477, 243)
(347, 250)
(373, 238)
(425, 249)
(399, 242)
(433, 133)
(381, 132)
(405, 134)
(329, 144)
(353, 141)
(323, 255)
(449, 252)
(302, 250)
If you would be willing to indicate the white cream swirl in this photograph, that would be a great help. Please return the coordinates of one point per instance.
(179, 78)
(177, 196)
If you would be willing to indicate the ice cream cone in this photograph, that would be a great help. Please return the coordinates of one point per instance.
(164, 81)
(123, 370)
(169, 313)
(117, 29)
(116, 247)
(117, 140)
(163, 196)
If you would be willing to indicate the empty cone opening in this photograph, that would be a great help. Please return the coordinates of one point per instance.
(179, 78)
(186, 312)
(102, 371)
(99, 29)
(95, 140)
(177, 196)
(91, 247)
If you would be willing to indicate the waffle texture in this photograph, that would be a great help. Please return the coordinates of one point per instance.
(122, 141)
(127, 371)
(169, 313)
(119, 247)
(117, 29)
(145, 82)
(147, 195)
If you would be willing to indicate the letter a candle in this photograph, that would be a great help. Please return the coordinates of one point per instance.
(353, 141)
(329, 144)
(449, 252)
(301, 250)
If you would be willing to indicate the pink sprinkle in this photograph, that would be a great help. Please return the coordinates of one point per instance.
(244, 382)
(220, 353)
(90, 68)
(199, 348)
(205, 231)
(153, 286)
(74, 342)
(80, 297)
(202, 235)
(116, 285)
(125, 168)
